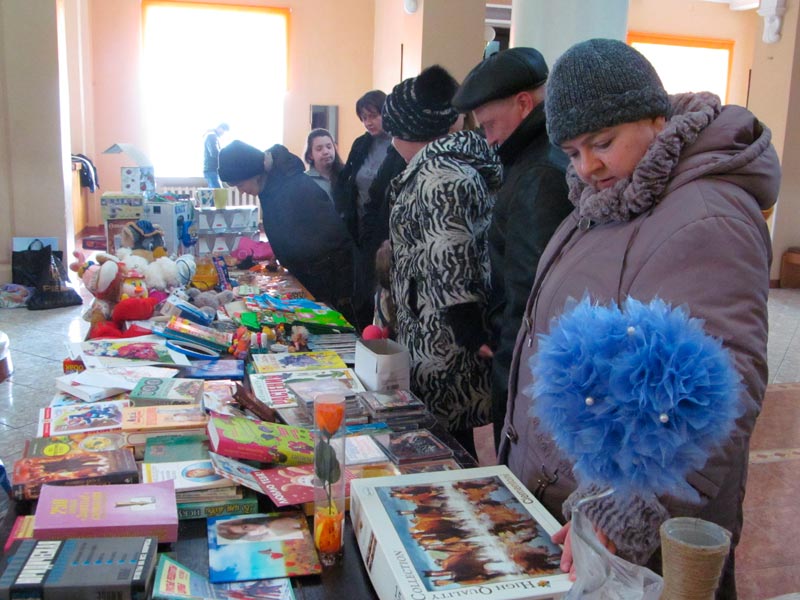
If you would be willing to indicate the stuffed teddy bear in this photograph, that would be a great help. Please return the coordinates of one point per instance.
(210, 301)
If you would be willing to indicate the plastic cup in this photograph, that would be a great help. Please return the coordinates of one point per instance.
(220, 198)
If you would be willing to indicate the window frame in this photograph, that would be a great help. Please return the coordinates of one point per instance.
(688, 42)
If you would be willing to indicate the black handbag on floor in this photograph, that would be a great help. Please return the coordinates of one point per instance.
(28, 265)
(53, 288)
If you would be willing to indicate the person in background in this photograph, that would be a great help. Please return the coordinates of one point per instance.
(353, 199)
(211, 148)
(306, 234)
(441, 209)
(322, 158)
(506, 93)
(668, 193)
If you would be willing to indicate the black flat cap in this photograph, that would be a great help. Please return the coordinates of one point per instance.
(500, 76)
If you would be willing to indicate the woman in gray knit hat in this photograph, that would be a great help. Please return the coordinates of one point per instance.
(668, 193)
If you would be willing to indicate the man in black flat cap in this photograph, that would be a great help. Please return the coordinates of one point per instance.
(506, 93)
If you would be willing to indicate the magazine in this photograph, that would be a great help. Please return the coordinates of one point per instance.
(145, 350)
(297, 361)
(176, 582)
(285, 486)
(273, 388)
(260, 546)
(121, 377)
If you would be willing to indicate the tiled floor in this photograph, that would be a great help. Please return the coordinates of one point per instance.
(768, 558)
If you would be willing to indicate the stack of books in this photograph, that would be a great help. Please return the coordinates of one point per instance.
(141, 423)
(185, 461)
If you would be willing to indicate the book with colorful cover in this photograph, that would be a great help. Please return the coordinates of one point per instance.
(74, 443)
(22, 529)
(413, 446)
(64, 399)
(273, 388)
(183, 329)
(124, 377)
(29, 474)
(142, 423)
(175, 582)
(214, 369)
(321, 321)
(68, 569)
(166, 417)
(107, 511)
(152, 391)
(88, 393)
(204, 509)
(147, 350)
(218, 396)
(285, 486)
(240, 437)
(260, 546)
(81, 418)
(174, 448)
(186, 475)
(297, 361)
(496, 540)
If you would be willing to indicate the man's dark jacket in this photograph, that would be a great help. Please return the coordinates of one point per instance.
(306, 234)
(529, 207)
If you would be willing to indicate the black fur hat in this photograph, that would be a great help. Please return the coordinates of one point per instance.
(420, 108)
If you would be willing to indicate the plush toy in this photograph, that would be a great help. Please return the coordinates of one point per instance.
(133, 286)
(126, 287)
(134, 309)
(162, 274)
(144, 238)
(210, 301)
(240, 345)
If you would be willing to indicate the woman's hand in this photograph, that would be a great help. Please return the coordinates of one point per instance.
(562, 536)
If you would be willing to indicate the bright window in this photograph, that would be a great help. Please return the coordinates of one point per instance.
(206, 64)
(687, 64)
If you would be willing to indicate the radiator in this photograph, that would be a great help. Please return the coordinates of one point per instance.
(234, 197)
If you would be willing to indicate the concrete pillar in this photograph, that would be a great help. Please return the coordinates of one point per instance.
(552, 27)
(34, 121)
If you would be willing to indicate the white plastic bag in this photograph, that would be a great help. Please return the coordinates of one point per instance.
(602, 575)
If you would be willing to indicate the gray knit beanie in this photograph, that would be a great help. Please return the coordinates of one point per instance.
(601, 83)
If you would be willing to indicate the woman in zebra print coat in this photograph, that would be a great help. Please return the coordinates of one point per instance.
(441, 210)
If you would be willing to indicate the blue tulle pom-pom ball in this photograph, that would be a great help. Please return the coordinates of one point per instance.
(637, 397)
